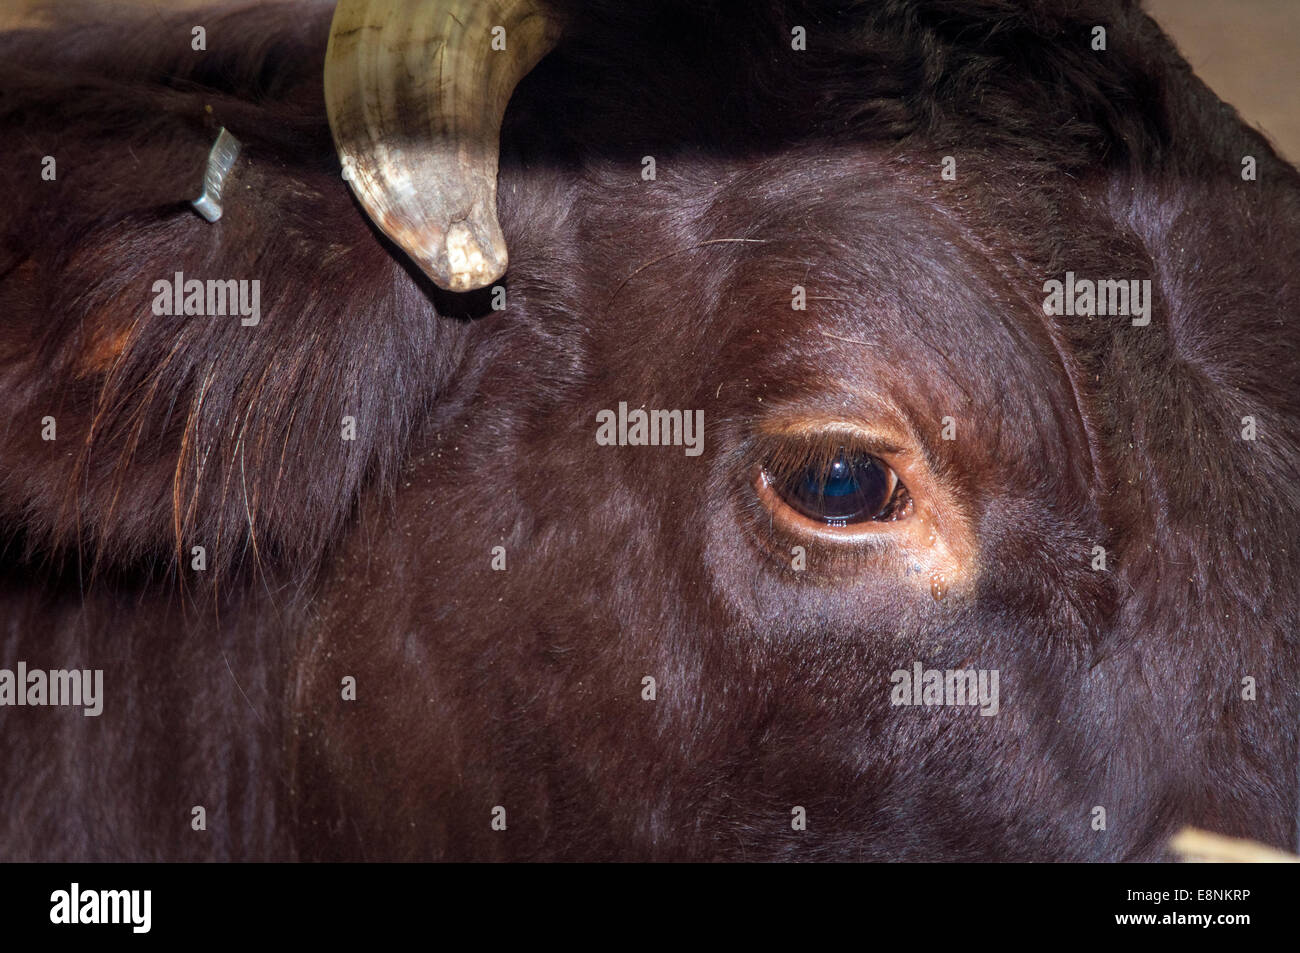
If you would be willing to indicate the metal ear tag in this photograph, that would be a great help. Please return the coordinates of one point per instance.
(220, 161)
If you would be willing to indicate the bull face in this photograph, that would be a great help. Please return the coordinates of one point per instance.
(786, 494)
(915, 471)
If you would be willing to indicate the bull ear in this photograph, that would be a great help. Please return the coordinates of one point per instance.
(415, 91)
(134, 427)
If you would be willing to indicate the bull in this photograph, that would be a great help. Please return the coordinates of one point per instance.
(985, 314)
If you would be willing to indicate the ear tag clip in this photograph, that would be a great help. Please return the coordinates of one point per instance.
(220, 161)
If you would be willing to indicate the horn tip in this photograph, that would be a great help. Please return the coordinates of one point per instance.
(460, 262)
(469, 263)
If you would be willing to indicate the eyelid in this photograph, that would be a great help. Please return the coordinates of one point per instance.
(802, 445)
(935, 541)
(797, 525)
(792, 521)
(873, 440)
(887, 432)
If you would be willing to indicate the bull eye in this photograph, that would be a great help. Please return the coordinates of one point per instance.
(844, 487)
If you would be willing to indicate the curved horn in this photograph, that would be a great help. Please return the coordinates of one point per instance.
(415, 91)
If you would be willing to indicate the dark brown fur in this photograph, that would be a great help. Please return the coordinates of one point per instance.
(476, 429)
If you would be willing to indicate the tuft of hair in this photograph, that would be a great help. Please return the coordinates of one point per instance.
(174, 431)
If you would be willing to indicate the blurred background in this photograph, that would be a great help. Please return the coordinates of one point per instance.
(1248, 51)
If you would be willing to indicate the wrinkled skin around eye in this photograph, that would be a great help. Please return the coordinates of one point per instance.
(852, 488)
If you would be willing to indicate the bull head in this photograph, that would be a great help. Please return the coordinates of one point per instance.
(416, 91)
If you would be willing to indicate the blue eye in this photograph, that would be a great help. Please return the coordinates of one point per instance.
(849, 487)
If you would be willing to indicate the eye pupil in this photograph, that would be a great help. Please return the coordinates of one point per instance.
(840, 478)
(851, 487)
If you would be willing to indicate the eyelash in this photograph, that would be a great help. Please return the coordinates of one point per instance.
(782, 458)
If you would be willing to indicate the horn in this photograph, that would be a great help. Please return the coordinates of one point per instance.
(415, 91)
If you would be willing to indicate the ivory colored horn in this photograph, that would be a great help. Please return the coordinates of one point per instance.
(415, 91)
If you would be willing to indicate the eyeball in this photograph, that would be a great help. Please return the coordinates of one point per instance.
(850, 487)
